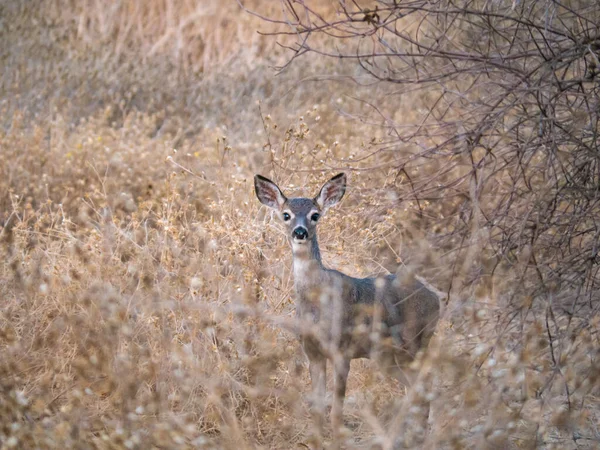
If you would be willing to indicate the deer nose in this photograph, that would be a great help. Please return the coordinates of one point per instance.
(300, 233)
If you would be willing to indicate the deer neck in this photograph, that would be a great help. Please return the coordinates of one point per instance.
(307, 262)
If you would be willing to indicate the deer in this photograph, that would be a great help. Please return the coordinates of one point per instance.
(389, 318)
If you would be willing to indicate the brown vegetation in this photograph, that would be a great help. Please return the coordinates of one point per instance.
(146, 297)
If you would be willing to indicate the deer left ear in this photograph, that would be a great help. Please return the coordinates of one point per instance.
(331, 192)
(268, 192)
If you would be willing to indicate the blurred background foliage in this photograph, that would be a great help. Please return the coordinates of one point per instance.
(147, 296)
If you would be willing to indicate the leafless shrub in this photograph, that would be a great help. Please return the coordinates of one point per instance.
(145, 301)
(505, 146)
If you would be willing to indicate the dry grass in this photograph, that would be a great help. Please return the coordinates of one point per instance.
(146, 297)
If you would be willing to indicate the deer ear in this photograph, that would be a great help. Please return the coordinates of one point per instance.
(332, 191)
(268, 193)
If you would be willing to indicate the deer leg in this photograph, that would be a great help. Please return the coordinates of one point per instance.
(417, 392)
(318, 371)
(409, 425)
(341, 369)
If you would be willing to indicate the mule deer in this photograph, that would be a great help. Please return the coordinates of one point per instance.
(389, 317)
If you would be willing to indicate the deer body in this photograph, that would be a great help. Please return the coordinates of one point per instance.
(388, 318)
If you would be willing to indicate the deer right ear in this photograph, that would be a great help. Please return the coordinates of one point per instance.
(332, 192)
(268, 193)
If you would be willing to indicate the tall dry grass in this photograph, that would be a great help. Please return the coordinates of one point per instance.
(147, 299)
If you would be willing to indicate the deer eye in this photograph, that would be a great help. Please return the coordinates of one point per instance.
(286, 217)
(315, 217)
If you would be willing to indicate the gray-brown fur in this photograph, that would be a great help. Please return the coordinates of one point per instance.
(389, 318)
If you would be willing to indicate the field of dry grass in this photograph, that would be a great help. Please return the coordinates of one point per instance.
(146, 294)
